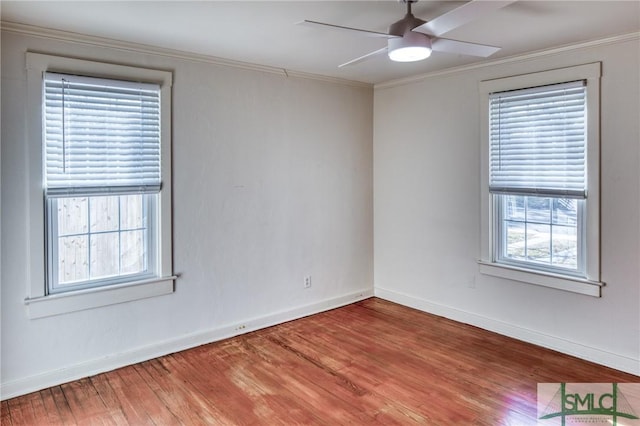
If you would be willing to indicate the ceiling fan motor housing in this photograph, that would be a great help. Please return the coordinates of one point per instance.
(407, 23)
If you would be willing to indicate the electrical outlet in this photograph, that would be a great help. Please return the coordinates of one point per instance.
(307, 281)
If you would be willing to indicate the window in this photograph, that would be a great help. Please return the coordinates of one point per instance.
(537, 161)
(540, 178)
(102, 177)
(105, 164)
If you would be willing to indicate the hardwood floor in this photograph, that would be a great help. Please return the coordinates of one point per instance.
(373, 362)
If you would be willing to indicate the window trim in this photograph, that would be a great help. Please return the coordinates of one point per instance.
(38, 302)
(591, 284)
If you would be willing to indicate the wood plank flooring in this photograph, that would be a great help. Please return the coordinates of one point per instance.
(373, 362)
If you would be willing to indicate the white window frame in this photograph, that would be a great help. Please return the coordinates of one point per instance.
(590, 284)
(38, 301)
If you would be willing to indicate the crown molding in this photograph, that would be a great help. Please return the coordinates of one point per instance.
(511, 59)
(71, 37)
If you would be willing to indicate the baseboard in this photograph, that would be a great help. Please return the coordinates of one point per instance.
(114, 361)
(608, 359)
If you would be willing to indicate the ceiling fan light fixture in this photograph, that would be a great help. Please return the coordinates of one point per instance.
(412, 47)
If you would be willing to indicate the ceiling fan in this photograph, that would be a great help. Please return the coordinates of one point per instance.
(412, 39)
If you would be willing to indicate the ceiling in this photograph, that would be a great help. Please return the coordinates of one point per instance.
(264, 32)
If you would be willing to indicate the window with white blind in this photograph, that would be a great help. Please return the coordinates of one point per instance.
(540, 173)
(105, 168)
(102, 177)
(537, 171)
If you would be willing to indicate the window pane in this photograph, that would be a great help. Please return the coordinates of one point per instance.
(514, 207)
(104, 255)
(104, 213)
(72, 216)
(132, 246)
(565, 246)
(538, 243)
(73, 259)
(538, 209)
(100, 237)
(131, 211)
(565, 211)
(546, 235)
(515, 240)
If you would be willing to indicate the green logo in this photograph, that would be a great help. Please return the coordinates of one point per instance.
(588, 403)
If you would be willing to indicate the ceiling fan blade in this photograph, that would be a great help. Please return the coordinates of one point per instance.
(364, 57)
(463, 47)
(316, 24)
(457, 17)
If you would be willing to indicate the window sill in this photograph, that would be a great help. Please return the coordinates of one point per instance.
(62, 303)
(559, 282)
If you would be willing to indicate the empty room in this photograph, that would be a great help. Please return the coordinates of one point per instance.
(320, 212)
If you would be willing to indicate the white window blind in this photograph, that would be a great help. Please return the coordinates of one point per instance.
(538, 141)
(101, 136)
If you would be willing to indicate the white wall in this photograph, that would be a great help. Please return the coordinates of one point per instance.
(272, 182)
(427, 209)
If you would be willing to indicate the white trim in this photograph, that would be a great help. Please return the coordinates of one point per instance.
(111, 362)
(589, 353)
(590, 72)
(66, 36)
(511, 59)
(39, 63)
(73, 301)
(529, 276)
